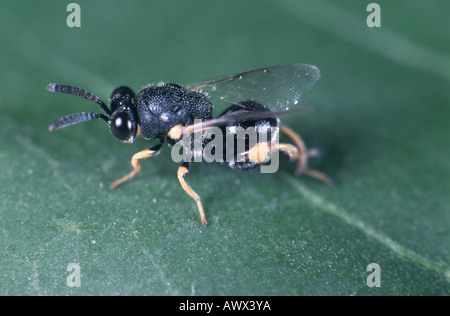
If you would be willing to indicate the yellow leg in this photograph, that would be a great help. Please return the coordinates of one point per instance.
(303, 155)
(288, 149)
(262, 151)
(303, 152)
(147, 153)
(182, 170)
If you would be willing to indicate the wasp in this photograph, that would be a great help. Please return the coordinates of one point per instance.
(169, 112)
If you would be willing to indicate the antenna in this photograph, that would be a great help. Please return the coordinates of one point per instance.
(54, 87)
(76, 118)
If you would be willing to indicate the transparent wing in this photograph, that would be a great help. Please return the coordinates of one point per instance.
(277, 87)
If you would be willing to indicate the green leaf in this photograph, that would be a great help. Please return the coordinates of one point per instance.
(380, 118)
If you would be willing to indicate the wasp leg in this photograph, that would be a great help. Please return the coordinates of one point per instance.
(182, 170)
(262, 151)
(303, 155)
(147, 153)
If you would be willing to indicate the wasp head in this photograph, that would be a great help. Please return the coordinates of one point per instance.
(121, 116)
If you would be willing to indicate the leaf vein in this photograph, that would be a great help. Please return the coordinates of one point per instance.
(342, 214)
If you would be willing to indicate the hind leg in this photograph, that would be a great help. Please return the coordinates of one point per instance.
(303, 155)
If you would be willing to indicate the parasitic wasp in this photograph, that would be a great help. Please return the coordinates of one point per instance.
(170, 113)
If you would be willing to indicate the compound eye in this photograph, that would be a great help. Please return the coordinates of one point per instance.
(122, 127)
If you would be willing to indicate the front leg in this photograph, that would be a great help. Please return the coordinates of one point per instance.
(147, 153)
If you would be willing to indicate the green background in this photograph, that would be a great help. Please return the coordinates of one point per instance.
(381, 117)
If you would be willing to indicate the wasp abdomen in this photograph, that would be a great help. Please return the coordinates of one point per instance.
(246, 135)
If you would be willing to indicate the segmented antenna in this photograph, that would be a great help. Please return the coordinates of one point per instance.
(74, 119)
(54, 87)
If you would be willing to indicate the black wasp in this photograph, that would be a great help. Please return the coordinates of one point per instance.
(167, 112)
